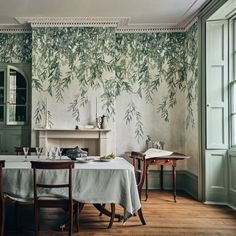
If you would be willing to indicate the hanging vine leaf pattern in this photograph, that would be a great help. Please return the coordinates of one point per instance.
(139, 64)
(15, 48)
(192, 72)
(40, 114)
(62, 55)
(130, 113)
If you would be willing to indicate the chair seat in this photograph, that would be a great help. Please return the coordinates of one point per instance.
(54, 198)
(17, 198)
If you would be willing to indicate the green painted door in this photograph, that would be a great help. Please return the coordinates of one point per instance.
(216, 173)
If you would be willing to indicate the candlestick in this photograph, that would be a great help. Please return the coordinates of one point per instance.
(46, 114)
(96, 108)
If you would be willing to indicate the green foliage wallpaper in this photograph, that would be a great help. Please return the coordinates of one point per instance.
(15, 48)
(98, 59)
(191, 64)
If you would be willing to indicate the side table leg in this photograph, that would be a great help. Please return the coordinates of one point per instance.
(146, 186)
(174, 182)
(161, 178)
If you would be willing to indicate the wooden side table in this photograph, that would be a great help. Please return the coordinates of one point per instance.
(170, 160)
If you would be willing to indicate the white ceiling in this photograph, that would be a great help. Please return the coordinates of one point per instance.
(166, 13)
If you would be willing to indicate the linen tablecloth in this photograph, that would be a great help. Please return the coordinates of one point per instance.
(93, 182)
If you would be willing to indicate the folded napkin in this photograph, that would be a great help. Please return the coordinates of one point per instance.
(154, 152)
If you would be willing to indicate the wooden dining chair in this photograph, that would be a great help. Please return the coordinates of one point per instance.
(139, 163)
(2, 201)
(52, 201)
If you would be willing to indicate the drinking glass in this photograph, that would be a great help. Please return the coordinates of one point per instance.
(39, 151)
(49, 153)
(59, 152)
(25, 150)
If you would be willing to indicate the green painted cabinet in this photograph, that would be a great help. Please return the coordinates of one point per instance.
(14, 107)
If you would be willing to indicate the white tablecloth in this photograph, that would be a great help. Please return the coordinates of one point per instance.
(93, 182)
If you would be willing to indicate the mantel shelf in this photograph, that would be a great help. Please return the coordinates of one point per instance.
(74, 130)
(94, 139)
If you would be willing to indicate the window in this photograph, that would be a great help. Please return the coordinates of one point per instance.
(233, 83)
(13, 96)
(16, 97)
(2, 95)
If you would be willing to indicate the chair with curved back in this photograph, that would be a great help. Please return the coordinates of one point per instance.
(52, 201)
(139, 163)
(2, 202)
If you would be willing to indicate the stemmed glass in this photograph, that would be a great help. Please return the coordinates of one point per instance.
(25, 150)
(59, 151)
(49, 153)
(39, 151)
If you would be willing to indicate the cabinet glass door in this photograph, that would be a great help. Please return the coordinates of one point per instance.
(17, 98)
(2, 95)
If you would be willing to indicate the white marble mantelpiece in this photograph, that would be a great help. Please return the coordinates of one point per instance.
(93, 139)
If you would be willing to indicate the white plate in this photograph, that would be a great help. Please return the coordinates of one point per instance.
(81, 160)
(105, 160)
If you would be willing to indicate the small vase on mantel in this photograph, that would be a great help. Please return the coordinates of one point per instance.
(46, 120)
(104, 122)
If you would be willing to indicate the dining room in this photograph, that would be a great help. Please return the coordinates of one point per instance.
(118, 117)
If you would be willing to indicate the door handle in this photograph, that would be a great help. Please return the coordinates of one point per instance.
(208, 105)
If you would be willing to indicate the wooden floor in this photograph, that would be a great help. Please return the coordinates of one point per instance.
(163, 217)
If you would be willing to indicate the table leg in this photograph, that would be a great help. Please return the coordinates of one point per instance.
(174, 182)
(161, 178)
(146, 185)
(104, 211)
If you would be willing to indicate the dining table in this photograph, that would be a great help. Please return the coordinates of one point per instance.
(94, 181)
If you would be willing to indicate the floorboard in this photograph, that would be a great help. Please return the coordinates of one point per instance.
(162, 215)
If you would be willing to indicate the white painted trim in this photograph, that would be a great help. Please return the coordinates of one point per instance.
(12, 28)
(122, 24)
(231, 206)
(220, 204)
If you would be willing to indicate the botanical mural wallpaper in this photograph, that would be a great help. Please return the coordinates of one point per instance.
(130, 74)
(15, 48)
(98, 59)
(62, 56)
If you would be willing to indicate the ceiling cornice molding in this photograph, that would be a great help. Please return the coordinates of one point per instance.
(121, 24)
(13, 28)
(74, 21)
(149, 28)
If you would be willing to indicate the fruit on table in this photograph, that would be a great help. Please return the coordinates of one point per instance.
(109, 156)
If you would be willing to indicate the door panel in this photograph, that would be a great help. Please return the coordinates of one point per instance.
(216, 175)
(217, 85)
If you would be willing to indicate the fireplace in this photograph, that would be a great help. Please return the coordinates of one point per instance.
(93, 139)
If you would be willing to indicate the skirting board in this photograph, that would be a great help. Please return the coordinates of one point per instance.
(185, 181)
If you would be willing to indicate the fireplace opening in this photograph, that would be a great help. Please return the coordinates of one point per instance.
(64, 150)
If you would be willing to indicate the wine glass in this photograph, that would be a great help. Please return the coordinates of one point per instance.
(49, 153)
(59, 151)
(39, 151)
(25, 150)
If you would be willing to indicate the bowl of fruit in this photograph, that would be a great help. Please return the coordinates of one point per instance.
(108, 157)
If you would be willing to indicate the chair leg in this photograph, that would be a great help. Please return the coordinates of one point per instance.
(36, 219)
(140, 214)
(113, 211)
(71, 219)
(76, 216)
(16, 206)
(103, 205)
(2, 216)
